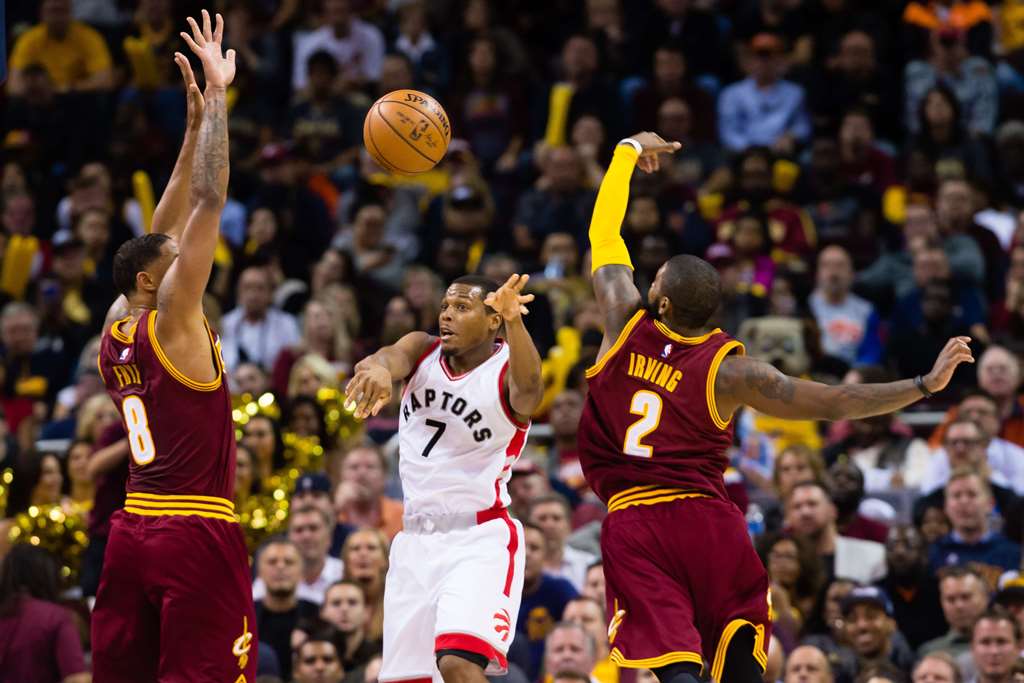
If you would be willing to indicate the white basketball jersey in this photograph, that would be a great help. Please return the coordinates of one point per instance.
(458, 437)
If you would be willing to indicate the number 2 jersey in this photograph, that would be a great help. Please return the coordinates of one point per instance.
(180, 431)
(650, 426)
(458, 437)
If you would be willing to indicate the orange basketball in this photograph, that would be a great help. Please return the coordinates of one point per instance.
(407, 132)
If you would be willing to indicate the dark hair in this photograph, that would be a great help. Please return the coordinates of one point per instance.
(27, 571)
(28, 471)
(692, 286)
(278, 456)
(812, 574)
(348, 582)
(318, 630)
(530, 525)
(977, 392)
(886, 670)
(930, 145)
(321, 425)
(133, 257)
(486, 285)
(322, 59)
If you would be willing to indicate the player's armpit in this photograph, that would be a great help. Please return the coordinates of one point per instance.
(618, 298)
(119, 309)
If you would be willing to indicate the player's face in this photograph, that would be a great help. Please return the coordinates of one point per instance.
(464, 321)
(311, 535)
(280, 567)
(345, 607)
(317, 662)
(593, 586)
(994, 648)
(534, 541)
(868, 628)
(551, 517)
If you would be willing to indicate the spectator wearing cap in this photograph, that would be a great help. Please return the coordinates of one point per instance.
(872, 632)
(256, 331)
(359, 499)
(995, 646)
(354, 43)
(544, 599)
(969, 505)
(971, 78)
(74, 54)
(811, 514)
(912, 588)
(807, 664)
(1010, 595)
(964, 596)
(309, 529)
(763, 109)
(848, 323)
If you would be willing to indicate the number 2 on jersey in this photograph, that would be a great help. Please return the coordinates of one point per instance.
(140, 439)
(647, 405)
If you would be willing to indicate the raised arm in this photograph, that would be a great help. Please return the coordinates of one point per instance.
(181, 292)
(611, 266)
(745, 381)
(523, 382)
(369, 390)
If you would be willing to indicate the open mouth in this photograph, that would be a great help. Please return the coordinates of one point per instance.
(446, 334)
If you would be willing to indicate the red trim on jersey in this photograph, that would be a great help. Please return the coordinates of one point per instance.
(423, 679)
(416, 365)
(464, 641)
(513, 546)
(498, 343)
(509, 413)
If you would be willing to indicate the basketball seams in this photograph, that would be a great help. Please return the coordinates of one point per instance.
(380, 115)
(419, 111)
(378, 157)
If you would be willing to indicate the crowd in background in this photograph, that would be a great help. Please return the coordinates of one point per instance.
(854, 169)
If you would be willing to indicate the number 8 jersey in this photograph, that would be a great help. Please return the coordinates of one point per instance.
(650, 422)
(458, 437)
(180, 431)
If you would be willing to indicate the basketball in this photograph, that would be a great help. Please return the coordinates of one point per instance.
(407, 132)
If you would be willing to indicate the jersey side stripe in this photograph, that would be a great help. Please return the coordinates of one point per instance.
(169, 366)
(716, 417)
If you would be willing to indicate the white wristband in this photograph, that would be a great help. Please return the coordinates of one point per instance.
(636, 145)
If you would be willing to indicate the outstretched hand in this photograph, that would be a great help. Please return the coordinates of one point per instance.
(652, 145)
(218, 68)
(368, 391)
(953, 354)
(508, 300)
(193, 95)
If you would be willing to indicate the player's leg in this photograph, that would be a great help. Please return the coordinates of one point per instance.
(125, 626)
(650, 608)
(207, 620)
(478, 603)
(735, 584)
(680, 672)
(408, 613)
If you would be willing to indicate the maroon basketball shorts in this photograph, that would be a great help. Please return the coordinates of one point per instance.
(682, 578)
(175, 598)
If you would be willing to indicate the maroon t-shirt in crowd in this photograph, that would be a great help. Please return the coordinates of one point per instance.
(110, 486)
(39, 643)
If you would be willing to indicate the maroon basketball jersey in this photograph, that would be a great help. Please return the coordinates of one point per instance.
(650, 418)
(180, 431)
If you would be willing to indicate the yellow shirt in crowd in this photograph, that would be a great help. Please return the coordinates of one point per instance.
(81, 54)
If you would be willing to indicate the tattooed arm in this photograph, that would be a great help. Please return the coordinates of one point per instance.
(745, 381)
(182, 290)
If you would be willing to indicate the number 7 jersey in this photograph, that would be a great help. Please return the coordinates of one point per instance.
(650, 418)
(458, 437)
(180, 431)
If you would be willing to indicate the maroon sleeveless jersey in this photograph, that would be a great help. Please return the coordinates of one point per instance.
(180, 431)
(650, 418)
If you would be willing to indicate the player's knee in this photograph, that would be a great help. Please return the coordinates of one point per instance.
(740, 664)
(459, 666)
(680, 672)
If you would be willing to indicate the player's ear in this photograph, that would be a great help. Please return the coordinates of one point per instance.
(144, 282)
(664, 307)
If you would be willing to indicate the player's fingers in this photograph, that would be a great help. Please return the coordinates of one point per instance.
(197, 33)
(526, 298)
(381, 402)
(193, 45)
(207, 28)
(218, 30)
(523, 280)
(230, 56)
(523, 310)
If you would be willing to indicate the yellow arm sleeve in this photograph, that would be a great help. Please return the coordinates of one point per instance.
(606, 245)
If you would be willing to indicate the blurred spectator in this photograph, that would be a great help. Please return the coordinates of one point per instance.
(941, 136)
(936, 667)
(848, 324)
(357, 45)
(589, 614)
(969, 505)
(862, 160)
(564, 418)
(255, 331)
(672, 81)
(995, 646)
(74, 54)
(763, 109)
(872, 631)
(558, 203)
(359, 499)
(970, 78)
(846, 488)
(316, 660)
(370, 250)
(310, 529)
(807, 664)
(41, 637)
(812, 515)
(280, 609)
(695, 29)
(415, 41)
(964, 596)
(569, 647)
(924, 19)
(796, 573)
(553, 515)
(913, 589)
(365, 558)
(594, 586)
(954, 209)
(323, 126)
(346, 609)
(544, 599)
